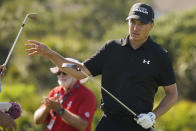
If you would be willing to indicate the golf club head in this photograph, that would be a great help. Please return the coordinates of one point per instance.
(32, 15)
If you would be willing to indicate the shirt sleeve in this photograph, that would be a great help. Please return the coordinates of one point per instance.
(166, 75)
(96, 62)
(87, 107)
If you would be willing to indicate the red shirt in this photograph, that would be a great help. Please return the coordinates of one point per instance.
(81, 102)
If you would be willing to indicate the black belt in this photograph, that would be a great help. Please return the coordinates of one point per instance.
(119, 117)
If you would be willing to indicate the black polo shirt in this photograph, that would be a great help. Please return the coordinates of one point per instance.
(132, 75)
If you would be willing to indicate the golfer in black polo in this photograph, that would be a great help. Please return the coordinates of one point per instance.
(132, 69)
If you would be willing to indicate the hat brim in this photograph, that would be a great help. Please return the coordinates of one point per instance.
(55, 69)
(143, 20)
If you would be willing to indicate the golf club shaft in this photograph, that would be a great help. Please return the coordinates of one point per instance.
(11, 50)
(116, 99)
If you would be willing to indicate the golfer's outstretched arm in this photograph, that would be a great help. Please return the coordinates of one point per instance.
(171, 96)
(36, 48)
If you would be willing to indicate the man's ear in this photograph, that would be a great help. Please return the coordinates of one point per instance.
(152, 25)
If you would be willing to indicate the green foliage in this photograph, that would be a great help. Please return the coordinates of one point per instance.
(97, 117)
(176, 32)
(180, 118)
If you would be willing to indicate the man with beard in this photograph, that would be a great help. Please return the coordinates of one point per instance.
(68, 107)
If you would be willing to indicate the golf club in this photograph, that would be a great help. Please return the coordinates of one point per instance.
(31, 16)
(74, 66)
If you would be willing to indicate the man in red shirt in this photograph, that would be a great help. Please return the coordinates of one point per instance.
(68, 107)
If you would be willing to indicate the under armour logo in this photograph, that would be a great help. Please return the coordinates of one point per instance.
(146, 61)
(142, 10)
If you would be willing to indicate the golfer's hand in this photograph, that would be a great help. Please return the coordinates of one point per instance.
(7, 123)
(146, 120)
(36, 48)
(52, 104)
(2, 70)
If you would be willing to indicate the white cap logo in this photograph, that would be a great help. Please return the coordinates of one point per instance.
(141, 9)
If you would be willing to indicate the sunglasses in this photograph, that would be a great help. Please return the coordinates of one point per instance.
(60, 72)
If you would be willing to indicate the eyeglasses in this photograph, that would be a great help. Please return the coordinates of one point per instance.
(60, 72)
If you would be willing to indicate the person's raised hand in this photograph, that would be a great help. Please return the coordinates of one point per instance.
(52, 104)
(2, 70)
(37, 48)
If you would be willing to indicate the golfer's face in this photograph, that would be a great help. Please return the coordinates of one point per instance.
(139, 31)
